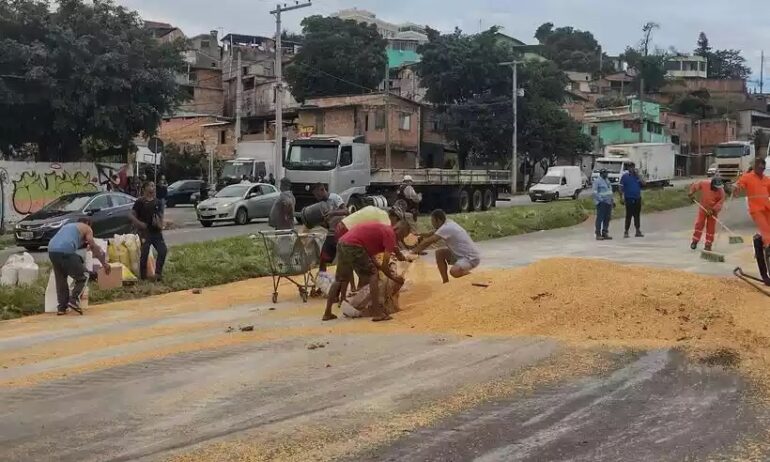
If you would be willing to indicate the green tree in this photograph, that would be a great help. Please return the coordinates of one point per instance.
(82, 70)
(571, 49)
(337, 57)
(722, 64)
(704, 49)
(473, 93)
(650, 67)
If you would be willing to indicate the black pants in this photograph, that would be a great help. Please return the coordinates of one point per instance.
(68, 265)
(633, 210)
(152, 240)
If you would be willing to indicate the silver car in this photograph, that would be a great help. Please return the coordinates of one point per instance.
(239, 203)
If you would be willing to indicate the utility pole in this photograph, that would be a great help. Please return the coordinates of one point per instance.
(278, 161)
(238, 99)
(386, 87)
(762, 74)
(641, 109)
(514, 65)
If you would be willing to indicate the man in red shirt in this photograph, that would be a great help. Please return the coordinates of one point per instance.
(712, 197)
(757, 187)
(355, 252)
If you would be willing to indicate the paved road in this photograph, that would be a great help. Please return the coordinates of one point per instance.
(149, 380)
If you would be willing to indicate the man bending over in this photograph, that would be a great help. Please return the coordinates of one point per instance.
(461, 251)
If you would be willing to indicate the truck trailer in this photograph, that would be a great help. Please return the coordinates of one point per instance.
(654, 161)
(344, 164)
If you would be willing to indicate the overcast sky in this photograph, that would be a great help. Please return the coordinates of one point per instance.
(741, 24)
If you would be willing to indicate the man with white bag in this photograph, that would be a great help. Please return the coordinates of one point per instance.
(62, 251)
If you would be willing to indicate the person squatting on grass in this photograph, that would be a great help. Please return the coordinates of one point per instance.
(461, 252)
(62, 251)
(148, 219)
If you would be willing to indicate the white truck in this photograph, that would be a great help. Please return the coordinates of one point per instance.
(733, 159)
(654, 161)
(254, 159)
(344, 163)
(558, 183)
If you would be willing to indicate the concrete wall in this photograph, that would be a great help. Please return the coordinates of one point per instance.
(191, 130)
(31, 185)
(621, 132)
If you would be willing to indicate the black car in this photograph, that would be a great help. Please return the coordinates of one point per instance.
(109, 212)
(180, 192)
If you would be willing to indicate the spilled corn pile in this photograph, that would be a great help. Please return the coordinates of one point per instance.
(578, 300)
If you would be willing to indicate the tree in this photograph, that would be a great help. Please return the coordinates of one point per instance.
(337, 57)
(722, 64)
(647, 37)
(85, 70)
(651, 68)
(473, 93)
(704, 49)
(570, 49)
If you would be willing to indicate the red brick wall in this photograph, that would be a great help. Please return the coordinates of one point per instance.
(709, 133)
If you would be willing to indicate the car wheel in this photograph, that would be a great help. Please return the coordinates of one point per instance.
(477, 200)
(555, 196)
(32, 248)
(532, 198)
(206, 224)
(489, 199)
(576, 196)
(355, 204)
(241, 217)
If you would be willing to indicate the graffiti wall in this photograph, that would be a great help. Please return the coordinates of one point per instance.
(26, 187)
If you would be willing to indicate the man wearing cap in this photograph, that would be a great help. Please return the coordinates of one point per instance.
(712, 197)
(408, 199)
(604, 201)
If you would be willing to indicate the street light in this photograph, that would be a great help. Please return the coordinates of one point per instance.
(514, 65)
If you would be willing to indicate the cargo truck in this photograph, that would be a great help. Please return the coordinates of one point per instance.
(344, 164)
(733, 158)
(654, 162)
(254, 159)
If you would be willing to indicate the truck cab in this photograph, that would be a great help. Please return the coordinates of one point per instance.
(615, 166)
(234, 171)
(343, 163)
(733, 159)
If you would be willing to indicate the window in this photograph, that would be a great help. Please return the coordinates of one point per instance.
(119, 199)
(205, 44)
(255, 191)
(405, 121)
(100, 203)
(346, 156)
(222, 137)
(674, 139)
(267, 189)
(193, 77)
(366, 121)
(673, 125)
(379, 120)
(191, 186)
(594, 130)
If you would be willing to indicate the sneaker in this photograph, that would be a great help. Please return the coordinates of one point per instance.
(707, 247)
(639, 234)
(599, 238)
(694, 245)
(75, 306)
(625, 235)
(607, 237)
(61, 311)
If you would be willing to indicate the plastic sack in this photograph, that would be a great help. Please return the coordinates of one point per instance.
(28, 274)
(126, 273)
(9, 275)
(122, 255)
(349, 311)
(112, 252)
(151, 265)
(323, 282)
(51, 301)
(133, 247)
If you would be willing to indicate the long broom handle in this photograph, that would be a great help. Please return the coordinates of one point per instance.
(715, 218)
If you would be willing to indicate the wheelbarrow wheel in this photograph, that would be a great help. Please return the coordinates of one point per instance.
(275, 297)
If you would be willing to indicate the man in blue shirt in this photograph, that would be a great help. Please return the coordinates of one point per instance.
(631, 196)
(602, 193)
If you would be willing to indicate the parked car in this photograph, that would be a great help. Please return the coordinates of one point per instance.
(181, 192)
(109, 213)
(558, 182)
(239, 203)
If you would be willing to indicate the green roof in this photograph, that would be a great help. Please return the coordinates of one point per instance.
(398, 58)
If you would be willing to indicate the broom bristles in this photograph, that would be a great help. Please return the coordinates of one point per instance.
(712, 256)
(736, 240)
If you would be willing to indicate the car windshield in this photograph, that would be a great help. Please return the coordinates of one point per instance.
(68, 204)
(312, 157)
(235, 169)
(176, 185)
(550, 179)
(612, 167)
(237, 190)
(731, 151)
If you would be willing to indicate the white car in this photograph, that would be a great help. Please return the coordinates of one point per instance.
(239, 203)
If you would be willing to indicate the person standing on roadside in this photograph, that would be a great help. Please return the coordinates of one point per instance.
(66, 263)
(282, 213)
(604, 201)
(631, 195)
(162, 193)
(148, 220)
(271, 179)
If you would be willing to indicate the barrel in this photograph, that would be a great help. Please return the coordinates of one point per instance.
(312, 216)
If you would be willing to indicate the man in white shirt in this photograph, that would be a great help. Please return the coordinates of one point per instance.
(461, 251)
(336, 212)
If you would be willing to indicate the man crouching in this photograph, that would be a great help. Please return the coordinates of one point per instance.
(356, 251)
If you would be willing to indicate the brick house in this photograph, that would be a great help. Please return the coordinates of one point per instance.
(203, 131)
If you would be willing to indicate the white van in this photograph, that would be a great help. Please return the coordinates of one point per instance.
(558, 182)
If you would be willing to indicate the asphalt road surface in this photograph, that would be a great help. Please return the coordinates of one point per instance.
(167, 379)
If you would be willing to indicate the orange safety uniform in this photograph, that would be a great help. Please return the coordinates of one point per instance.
(758, 192)
(710, 200)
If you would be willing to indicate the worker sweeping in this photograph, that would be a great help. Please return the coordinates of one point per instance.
(712, 198)
(757, 187)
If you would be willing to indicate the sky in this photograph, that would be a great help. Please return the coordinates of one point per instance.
(739, 24)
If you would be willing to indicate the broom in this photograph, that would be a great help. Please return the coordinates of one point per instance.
(714, 256)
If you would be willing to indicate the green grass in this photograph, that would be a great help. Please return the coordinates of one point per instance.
(6, 240)
(219, 262)
(188, 266)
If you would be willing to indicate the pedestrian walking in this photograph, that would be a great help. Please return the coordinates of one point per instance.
(66, 263)
(148, 220)
(604, 201)
(712, 198)
(757, 187)
(631, 196)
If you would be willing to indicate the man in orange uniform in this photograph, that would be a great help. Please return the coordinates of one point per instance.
(757, 187)
(712, 197)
